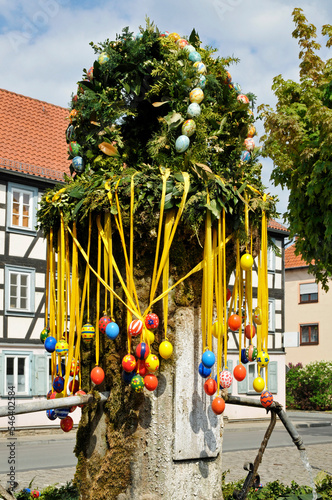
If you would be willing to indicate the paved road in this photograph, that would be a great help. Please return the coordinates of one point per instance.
(50, 459)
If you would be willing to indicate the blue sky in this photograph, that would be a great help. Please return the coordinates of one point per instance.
(44, 44)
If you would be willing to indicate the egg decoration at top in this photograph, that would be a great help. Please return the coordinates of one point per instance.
(263, 358)
(128, 363)
(151, 321)
(188, 128)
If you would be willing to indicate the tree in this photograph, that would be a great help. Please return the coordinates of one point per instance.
(135, 157)
(299, 141)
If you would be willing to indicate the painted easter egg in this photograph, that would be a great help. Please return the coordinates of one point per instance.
(203, 371)
(237, 88)
(194, 56)
(135, 327)
(138, 36)
(61, 412)
(150, 382)
(137, 383)
(148, 336)
(73, 370)
(246, 262)
(208, 359)
(249, 144)
(89, 73)
(251, 352)
(201, 82)
(258, 384)
(239, 373)
(44, 334)
(258, 316)
(127, 376)
(218, 405)
(226, 379)
(58, 384)
(182, 143)
(50, 344)
(87, 332)
(196, 95)
(51, 414)
(189, 48)
(35, 494)
(244, 357)
(251, 131)
(73, 386)
(245, 156)
(103, 322)
(78, 164)
(217, 329)
(61, 347)
(182, 42)
(200, 68)
(188, 127)
(74, 148)
(142, 369)
(165, 349)
(142, 350)
(151, 321)
(228, 77)
(152, 363)
(263, 358)
(66, 424)
(97, 375)
(250, 331)
(103, 58)
(112, 330)
(174, 36)
(266, 399)
(234, 322)
(243, 99)
(194, 110)
(164, 34)
(128, 362)
(210, 386)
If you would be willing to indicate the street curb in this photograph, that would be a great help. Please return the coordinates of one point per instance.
(313, 424)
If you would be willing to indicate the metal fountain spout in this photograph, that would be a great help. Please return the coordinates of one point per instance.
(297, 439)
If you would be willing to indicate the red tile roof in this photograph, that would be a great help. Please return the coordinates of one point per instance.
(273, 224)
(33, 139)
(293, 261)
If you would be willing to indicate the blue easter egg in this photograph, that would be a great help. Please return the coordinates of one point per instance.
(51, 414)
(194, 56)
(189, 48)
(78, 164)
(58, 384)
(203, 371)
(182, 143)
(245, 156)
(127, 376)
(193, 109)
(208, 359)
(63, 369)
(112, 330)
(244, 358)
(62, 412)
(50, 344)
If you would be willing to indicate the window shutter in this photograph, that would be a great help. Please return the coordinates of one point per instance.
(1, 375)
(230, 368)
(308, 288)
(39, 376)
(242, 386)
(273, 377)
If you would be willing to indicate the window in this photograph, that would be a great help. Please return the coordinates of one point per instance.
(21, 208)
(246, 385)
(17, 373)
(20, 290)
(309, 334)
(271, 258)
(308, 293)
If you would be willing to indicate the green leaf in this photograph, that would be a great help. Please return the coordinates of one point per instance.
(77, 207)
(78, 192)
(173, 120)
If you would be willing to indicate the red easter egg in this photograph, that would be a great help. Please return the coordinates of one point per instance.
(35, 493)
(229, 294)
(52, 395)
(234, 322)
(247, 331)
(151, 321)
(239, 373)
(142, 350)
(128, 363)
(80, 393)
(142, 370)
(266, 399)
(135, 328)
(210, 386)
(76, 385)
(66, 424)
(218, 405)
(103, 322)
(150, 382)
(97, 375)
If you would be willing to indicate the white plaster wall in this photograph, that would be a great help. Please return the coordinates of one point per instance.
(18, 326)
(277, 282)
(40, 280)
(3, 193)
(39, 250)
(2, 217)
(278, 321)
(2, 242)
(19, 244)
